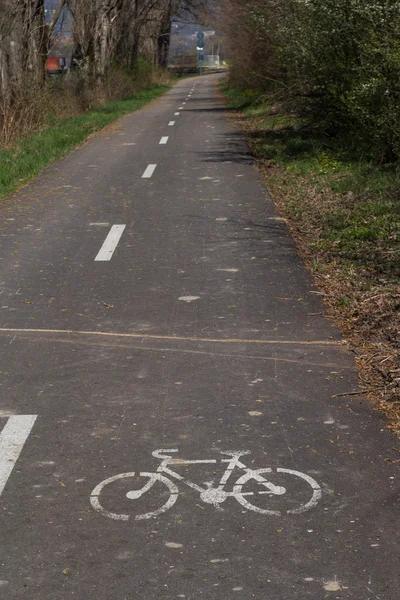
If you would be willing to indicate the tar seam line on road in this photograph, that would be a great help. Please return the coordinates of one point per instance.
(110, 243)
(276, 359)
(12, 439)
(149, 336)
(149, 171)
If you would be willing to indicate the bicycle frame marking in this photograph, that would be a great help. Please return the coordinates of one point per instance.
(209, 494)
(233, 462)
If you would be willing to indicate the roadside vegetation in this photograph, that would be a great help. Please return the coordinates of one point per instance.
(116, 46)
(317, 87)
(117, 59)
(344, 211)
(23, 159)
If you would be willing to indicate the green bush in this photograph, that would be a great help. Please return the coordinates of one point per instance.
(333, 62)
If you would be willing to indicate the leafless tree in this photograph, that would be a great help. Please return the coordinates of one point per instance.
(108, 31)
(24, 42)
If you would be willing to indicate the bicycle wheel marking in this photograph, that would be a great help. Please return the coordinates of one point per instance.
(316, 492)
(213, 494)
(95, 502)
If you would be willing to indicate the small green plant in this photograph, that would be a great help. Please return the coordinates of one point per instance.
(344, 301)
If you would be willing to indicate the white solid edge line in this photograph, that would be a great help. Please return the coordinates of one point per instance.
(149, 171)
(171, 123)
(110, 243)
(164, 140)
(12, 439)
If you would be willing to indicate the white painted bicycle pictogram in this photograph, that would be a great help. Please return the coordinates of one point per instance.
(209, 494)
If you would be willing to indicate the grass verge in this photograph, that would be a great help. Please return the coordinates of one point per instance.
(344, 213)
(24, 159)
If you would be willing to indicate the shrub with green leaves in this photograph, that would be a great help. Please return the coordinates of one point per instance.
(336, 62)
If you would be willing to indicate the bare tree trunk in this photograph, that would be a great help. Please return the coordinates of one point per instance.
(95, 33)
(23, 43)
(164, 37)
(36, 35)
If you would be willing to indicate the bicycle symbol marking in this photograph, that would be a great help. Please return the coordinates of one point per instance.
(209, 494)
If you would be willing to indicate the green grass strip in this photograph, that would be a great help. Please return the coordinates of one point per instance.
(29, 155)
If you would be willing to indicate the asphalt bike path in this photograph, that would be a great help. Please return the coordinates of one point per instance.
(174, 417)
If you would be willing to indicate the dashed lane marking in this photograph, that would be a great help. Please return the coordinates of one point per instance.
(164, 140)
(12, 440)
(171, 123)
(149, 171)
(110, 243)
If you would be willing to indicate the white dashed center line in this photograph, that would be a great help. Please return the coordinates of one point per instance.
(181, 108)
(149, 171)
(164, 140)
(176, 114)
(171, 123)
(110, 243)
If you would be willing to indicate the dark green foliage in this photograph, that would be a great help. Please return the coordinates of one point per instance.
(335, 62)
